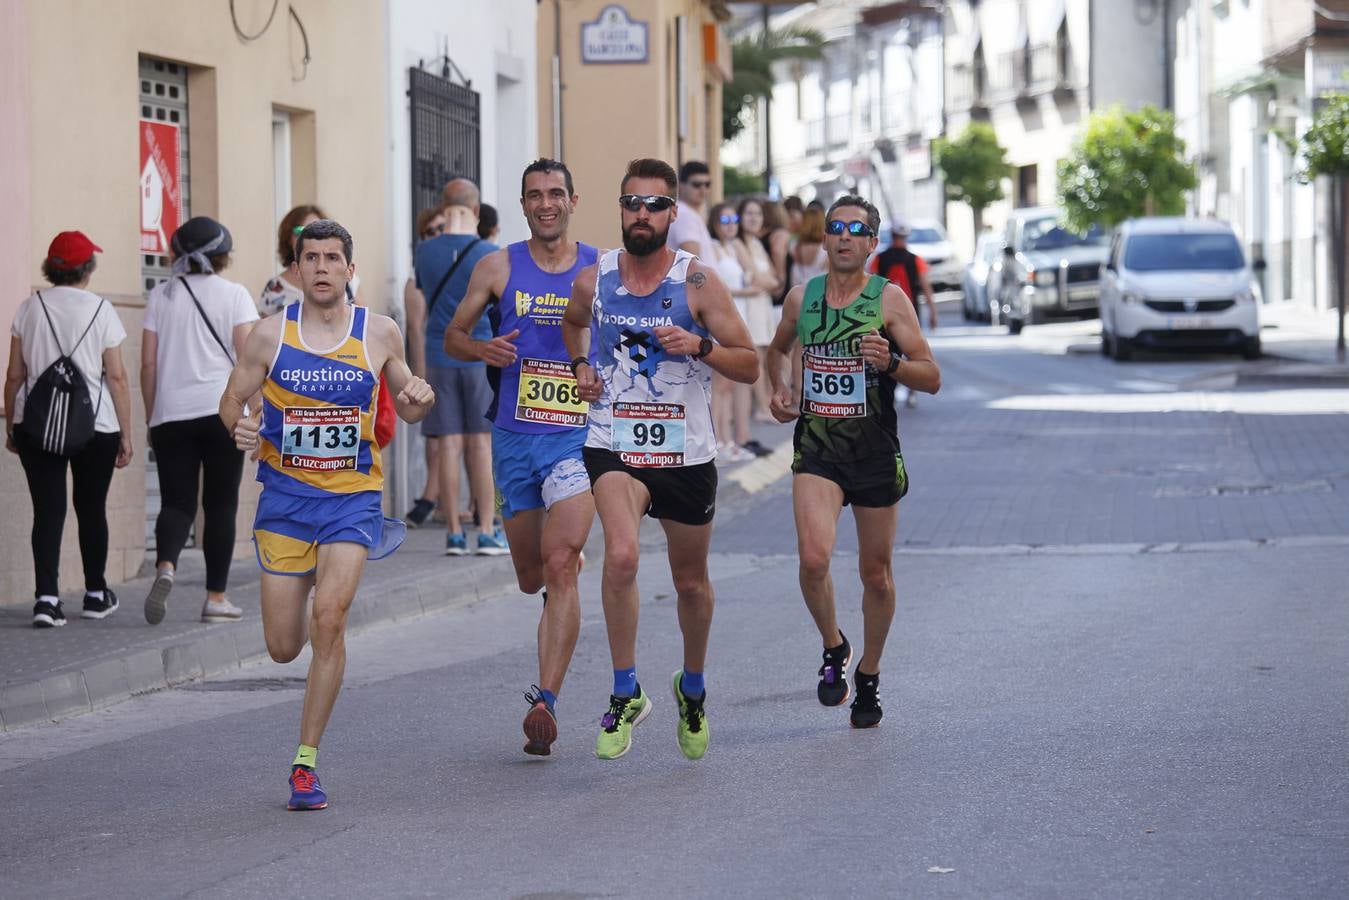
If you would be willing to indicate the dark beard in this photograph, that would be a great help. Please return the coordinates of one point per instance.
(641, 245)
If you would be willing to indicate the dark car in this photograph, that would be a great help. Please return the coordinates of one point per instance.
(1049, 271)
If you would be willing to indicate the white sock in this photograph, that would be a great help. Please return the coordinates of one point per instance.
(48, 598)
(97, 595)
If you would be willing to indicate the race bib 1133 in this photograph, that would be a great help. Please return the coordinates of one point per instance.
(320, 438)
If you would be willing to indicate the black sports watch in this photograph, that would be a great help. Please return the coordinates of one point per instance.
(704, 348)
(575, 363)
(894, 364)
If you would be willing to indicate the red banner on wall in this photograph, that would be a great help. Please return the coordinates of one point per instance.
(161, 199)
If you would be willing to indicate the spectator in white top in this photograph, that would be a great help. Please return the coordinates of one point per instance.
(196, 324)
(689, 229)
(66, 321)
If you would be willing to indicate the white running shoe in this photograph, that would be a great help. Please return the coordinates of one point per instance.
(221, 610)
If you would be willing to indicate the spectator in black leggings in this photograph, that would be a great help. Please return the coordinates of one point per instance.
(66, 319)
(195, 325)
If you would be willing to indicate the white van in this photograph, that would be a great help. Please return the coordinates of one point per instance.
(1176, 283)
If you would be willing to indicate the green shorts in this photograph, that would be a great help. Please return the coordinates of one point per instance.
(875, 482)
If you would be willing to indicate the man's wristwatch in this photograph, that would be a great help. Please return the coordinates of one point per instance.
(704, 347)
(575, 363)
(894, 364)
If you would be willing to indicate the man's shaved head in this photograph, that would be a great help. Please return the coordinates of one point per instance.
(461, 192)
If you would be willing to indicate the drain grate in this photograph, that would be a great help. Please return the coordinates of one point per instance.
(1316, 486)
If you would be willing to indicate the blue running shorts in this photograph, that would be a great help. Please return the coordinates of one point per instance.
(288, 529)
(537, 470)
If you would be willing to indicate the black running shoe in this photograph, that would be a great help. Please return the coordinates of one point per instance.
(758, 449)
(833, 689)
(95, 608)
(48, 615)
(416, 517)
(866, 706)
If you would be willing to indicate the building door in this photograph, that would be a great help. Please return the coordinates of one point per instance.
(163, 106)
(446, 141)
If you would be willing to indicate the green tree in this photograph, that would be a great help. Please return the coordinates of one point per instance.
(973, 167)
(1127, 163)
(739, 183)
(752, 61)
(1325, 151)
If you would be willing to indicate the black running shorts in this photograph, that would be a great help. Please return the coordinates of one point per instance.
(877, 482)
(684, 494)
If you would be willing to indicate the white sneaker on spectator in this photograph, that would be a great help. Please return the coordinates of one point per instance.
(221, 610)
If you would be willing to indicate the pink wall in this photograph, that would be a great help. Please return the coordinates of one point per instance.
(16, 255)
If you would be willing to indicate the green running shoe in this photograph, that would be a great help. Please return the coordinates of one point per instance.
(616, 725)
(692, 730)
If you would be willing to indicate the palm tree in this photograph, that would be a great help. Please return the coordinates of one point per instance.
(752, 61)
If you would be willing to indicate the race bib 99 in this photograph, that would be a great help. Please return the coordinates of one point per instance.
(320, 439)
(649, 434)
(548, 394)
(835, 386)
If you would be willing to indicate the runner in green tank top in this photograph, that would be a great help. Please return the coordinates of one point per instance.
(860, 338)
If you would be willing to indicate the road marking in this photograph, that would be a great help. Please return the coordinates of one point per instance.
(759, 474)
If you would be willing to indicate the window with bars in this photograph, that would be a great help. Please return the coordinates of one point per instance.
(446, 140)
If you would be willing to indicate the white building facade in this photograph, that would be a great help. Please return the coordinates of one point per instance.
(474, 95)
(1248, 77)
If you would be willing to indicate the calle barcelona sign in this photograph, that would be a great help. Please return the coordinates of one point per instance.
(614, 37)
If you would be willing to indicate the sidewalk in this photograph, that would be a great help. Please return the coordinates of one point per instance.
(1299, 346)
(50, 674)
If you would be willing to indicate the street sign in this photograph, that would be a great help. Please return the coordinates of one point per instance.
(161, 197)
(614, 37)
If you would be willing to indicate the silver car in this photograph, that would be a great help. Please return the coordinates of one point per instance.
(977, 279)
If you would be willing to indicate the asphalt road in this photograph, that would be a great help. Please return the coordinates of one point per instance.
(1148, 701)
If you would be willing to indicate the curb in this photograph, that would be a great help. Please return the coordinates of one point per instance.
(109, 682)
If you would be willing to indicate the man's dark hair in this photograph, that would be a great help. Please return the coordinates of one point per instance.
(793, 204)
(487, 220)
(61, 277)
(652, 168)
(547, 165)
(321, 231)
(873, 214)
(691, 168)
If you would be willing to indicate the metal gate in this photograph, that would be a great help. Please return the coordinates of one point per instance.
(446, 118)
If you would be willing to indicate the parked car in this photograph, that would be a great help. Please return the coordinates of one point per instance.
(974, 281)
(928, 240)
(1178, 283)
(1048, 270)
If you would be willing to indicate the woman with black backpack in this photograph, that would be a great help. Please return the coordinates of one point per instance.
(195, 325)
(68, 402)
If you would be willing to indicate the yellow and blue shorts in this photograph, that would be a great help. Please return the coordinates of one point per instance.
(288, 529)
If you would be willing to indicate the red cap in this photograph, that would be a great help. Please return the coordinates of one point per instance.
(70, 249)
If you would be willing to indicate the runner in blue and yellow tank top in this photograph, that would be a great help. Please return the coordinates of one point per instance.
(319, 516)
(860, 337)
(646, 327)
(538, 420)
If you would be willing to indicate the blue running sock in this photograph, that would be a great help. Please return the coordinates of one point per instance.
(548, 698)
(692, 686)
(625, 682)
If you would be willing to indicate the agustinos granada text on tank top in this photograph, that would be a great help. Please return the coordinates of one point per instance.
(318, 414)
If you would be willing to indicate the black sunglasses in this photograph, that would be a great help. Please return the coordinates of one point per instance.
(700, 184)
(654, 203)
(856, 229)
